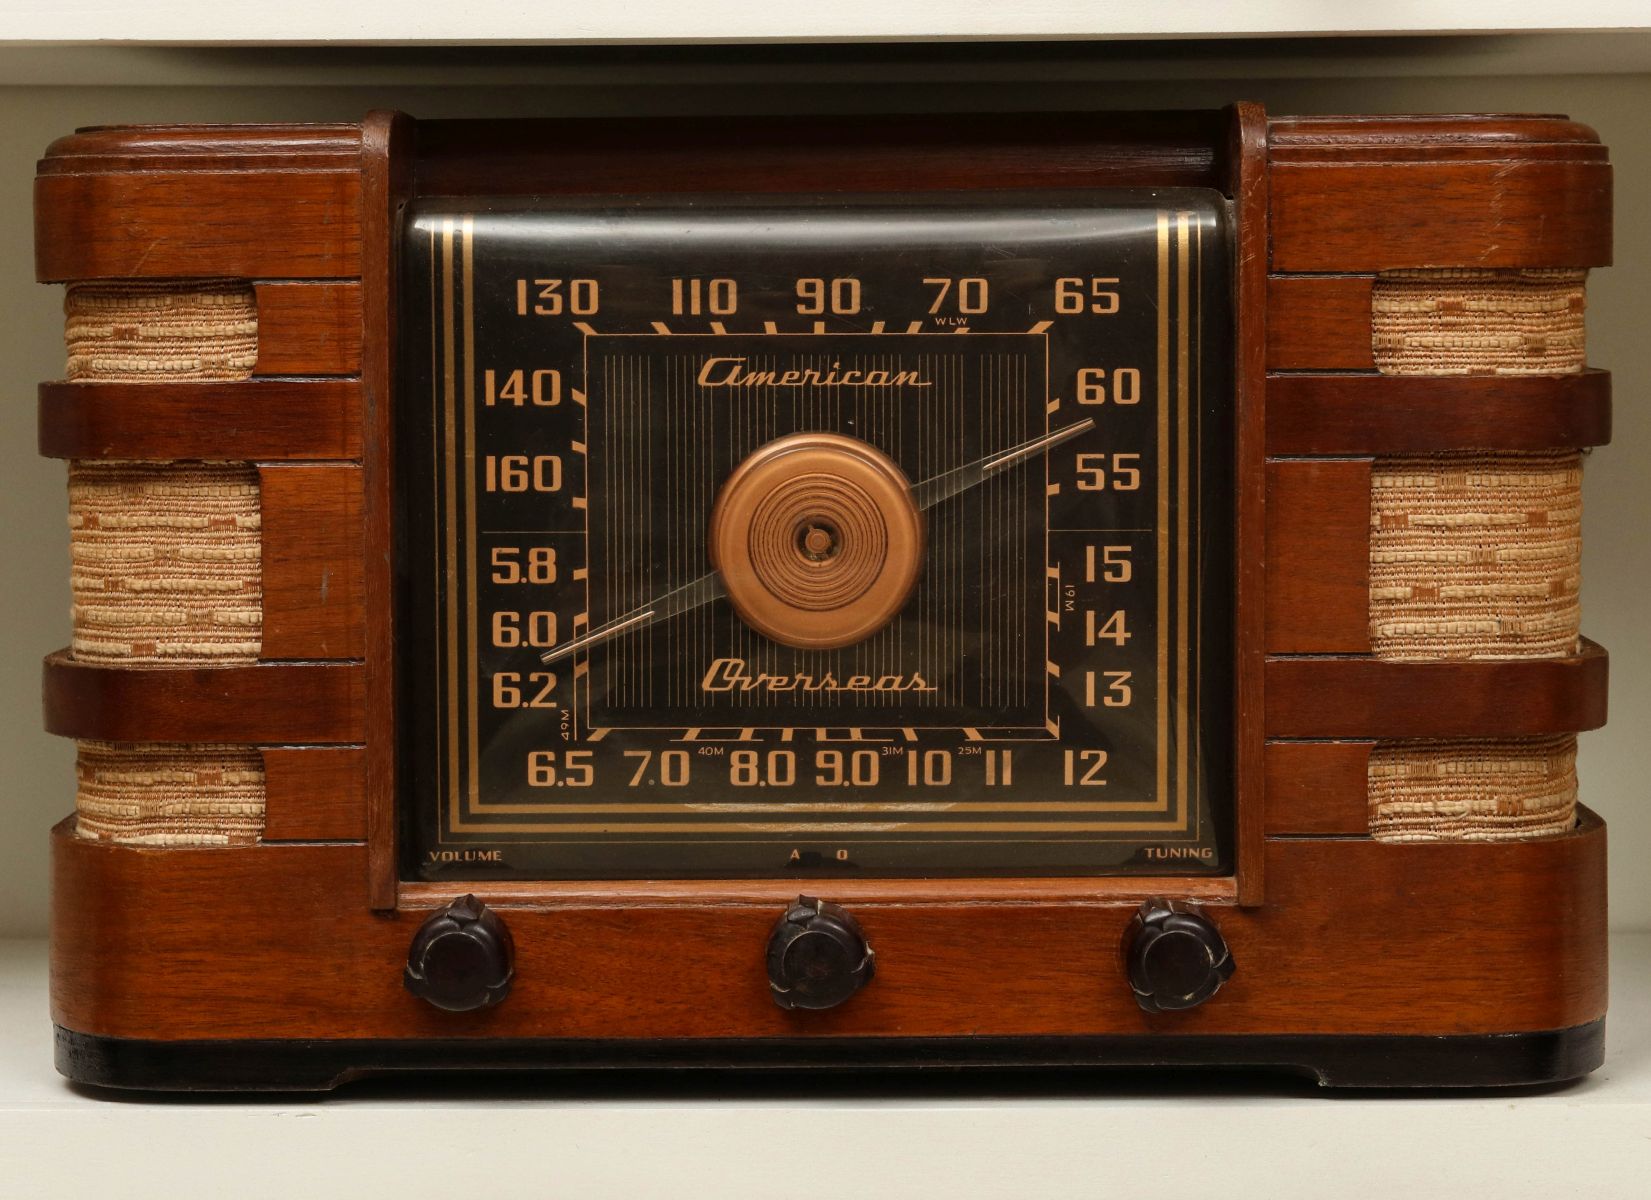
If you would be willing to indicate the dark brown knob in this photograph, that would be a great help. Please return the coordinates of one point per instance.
(1177, 958)
(461, 958)
(817, 956)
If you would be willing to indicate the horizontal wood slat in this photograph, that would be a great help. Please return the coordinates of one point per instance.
(1419, 414)
(273, 224)
(1362, 217)
(240, 421)
(1318, 789)
(267, 703)
(203, 148)
(896, 152)
(314, 561)
(315, 794)
(1319, 323)
(308, 329)
(1383, 135)
(1318, 556)
(1378, 698)
(1322, 955)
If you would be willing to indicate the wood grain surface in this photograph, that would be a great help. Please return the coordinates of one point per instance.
(1362, 216)
(314, 557)
(1248, 153)
(270, 702)
(265, 224)
(240, 421)
(1318, 556)
(1318, 789)
(308, 329)
(896, 153)
(1333, 697)
(1319, 323)
(315, 794)
(1422, 414)
(1356, 937)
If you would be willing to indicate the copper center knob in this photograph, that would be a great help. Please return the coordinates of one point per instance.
(817, 540)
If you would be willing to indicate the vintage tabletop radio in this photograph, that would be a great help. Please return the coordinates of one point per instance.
(1069, 589)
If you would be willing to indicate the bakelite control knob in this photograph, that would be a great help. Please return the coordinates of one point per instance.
(461, 958)
(817, 956)
(1177, 958)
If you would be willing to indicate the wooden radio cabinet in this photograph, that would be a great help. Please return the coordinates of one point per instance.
(1050, 589)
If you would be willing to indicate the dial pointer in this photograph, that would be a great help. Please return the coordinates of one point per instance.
(925, 495)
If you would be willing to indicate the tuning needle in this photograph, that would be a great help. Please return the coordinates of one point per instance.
(925, 495)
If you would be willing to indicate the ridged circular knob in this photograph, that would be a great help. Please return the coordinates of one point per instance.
(1177, 958)
(817, 956)
(461, 958)
(817, 540)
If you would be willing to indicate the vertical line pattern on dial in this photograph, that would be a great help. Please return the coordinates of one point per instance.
(999, 406)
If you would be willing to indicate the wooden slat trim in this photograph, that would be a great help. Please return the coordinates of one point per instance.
(388, 141)
(1369, 217)
(1319, 322)
(1318, 556)
(238, 421)
(1321, 956)
(206, 148)
(265, 224)
(1504, 135)
(308, 329)
(1249, 152)
(314, 560)
(1474, 153)
(1318, 789)
(1421, 414)
(315, 794)
(267, 703)
(812, 153)
(1337, 697)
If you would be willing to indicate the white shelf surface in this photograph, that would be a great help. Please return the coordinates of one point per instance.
(958, 1136)
(549, 22)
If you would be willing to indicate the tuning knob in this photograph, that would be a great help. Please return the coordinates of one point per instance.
(1177, 958)
(461, 958)
(817, 956)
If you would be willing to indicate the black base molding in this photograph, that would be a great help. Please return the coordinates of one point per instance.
(1470, 1060)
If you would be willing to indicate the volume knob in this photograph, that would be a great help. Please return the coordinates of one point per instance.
(817, 956)
(1177, 958)
(461, 958)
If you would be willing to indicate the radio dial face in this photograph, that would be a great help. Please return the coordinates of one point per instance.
(816, 537)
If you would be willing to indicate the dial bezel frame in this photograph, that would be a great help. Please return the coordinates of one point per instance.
(1221, 150)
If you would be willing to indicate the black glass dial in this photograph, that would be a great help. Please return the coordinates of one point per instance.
(816, 536)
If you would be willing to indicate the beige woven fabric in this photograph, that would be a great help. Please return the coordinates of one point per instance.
(162, 330)
(1479, 322)
(169, 795)
(165, 562)
(1475, 555)
(1472, 790)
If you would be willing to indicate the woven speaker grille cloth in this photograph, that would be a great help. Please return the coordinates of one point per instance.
(169, 795)
(1479, 322)
(165, 562)
(1472, 791)
(1475, 555)
(159, 331)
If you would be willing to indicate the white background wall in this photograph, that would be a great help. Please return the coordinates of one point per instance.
(46, 92)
